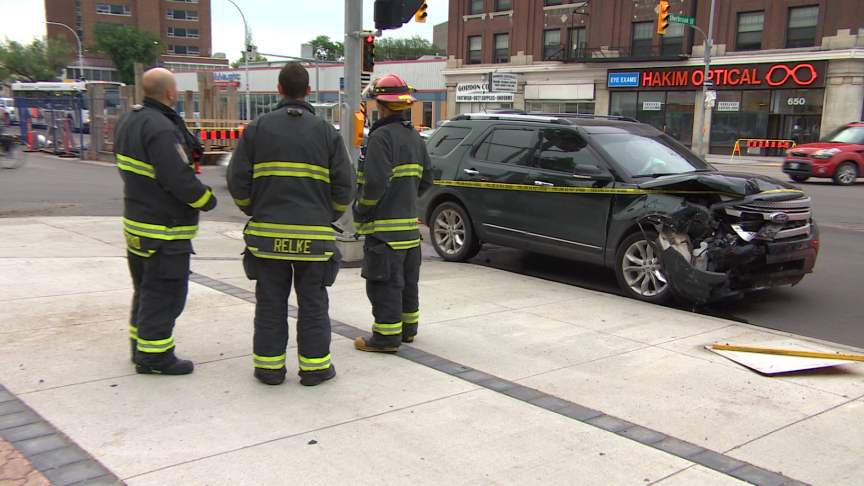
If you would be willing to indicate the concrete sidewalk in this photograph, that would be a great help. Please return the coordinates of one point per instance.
(513, 380)
(746, 160)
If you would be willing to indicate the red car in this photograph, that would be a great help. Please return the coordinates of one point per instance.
(840, 156)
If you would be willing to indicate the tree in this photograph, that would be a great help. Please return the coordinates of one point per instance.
(404, 49)
(325, 49)
(41, 60)
(125, 46)
(240, 62)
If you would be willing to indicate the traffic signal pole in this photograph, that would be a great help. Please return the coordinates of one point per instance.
(707, 105)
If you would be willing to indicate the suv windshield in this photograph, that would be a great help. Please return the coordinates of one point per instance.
(847, 135)
(643, 156)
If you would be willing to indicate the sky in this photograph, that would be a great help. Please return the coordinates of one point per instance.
(278, 26)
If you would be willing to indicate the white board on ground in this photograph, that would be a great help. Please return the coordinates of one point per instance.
(772, 364)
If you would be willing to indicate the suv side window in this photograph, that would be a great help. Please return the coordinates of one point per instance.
(446, 139)
(508, 146)
(564, 151)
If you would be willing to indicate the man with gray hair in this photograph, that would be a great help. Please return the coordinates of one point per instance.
(162, 199)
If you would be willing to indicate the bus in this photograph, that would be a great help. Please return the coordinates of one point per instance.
(48, 104)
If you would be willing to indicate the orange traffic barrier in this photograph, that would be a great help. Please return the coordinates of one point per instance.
(30, 137)
(769, 143)
(220, 133)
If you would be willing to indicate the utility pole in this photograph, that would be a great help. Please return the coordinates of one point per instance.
(247, 41)
(704, 133)
(80, 52)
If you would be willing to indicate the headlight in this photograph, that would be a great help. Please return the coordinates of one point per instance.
(825, 153)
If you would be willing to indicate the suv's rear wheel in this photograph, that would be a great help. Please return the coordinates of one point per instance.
(846, 174)
(452, 233)
(638, 269)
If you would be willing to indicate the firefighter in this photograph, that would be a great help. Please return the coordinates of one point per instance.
(162, 199)
(291, 174)
(393, 174)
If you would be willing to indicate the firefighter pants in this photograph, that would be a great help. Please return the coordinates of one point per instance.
(274, 280)
(391, 285)
(161, 283)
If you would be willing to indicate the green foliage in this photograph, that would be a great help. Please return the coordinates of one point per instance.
(125, 46)
(38, 61)
(325, 49)
(404, 49)
(239, 62)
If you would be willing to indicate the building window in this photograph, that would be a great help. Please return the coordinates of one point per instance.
(643, 34)
(183, 50)
(801, 31)
(502, 49)
(175, 14)
(578, 43)
(475, 49)
(750, 26)
(427, 114)
(476, 7)
(182, 32)
(672, 43)
(552, 45)
(580, 107)
(549, 3)
(112, 9)
(503, 5)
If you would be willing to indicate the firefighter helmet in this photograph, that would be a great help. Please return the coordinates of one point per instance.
(392, 90)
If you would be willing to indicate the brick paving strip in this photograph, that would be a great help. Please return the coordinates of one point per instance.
(716, 461)
(34, 453)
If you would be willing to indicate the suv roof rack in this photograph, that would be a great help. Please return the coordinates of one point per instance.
(584, 115)
(517, 115)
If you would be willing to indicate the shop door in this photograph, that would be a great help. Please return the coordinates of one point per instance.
(801, 128)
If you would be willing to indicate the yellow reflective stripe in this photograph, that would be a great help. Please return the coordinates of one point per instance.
(243, 202)
(293, 227)
(159, 232)
(268, 362)
(408, 167)
(411, 317)
(293, 231)
(135, 162)
(313, 364)
(593, 190)
(387, 225)
(293, 236)
(339, 207)
(291, 256)
(133, 332)
(407, 170)
(158, 346)
(203, 200)
(404, 245)
(361, 177)
(141, 253)
(291, 169)
(135, 170)
(387, 329)
(367, 202)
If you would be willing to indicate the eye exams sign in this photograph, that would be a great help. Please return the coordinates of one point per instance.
(743, 76)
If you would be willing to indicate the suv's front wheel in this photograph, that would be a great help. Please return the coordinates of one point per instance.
(452, 233)
(638, 269)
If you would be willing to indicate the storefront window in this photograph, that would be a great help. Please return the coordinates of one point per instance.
(796, 114)
(649, 108)
(680, 106)
(582, 108)
(623, 104)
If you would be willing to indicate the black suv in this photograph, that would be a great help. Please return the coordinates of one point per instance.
(615, 192)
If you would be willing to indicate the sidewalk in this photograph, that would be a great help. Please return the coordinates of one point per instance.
(512, 380)
(745, 160)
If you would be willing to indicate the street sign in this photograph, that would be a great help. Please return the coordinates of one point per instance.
(682, 19)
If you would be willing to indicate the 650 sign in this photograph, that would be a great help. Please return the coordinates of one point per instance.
(745, 76)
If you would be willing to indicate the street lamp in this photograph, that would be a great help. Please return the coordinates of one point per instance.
(246, 53)
(78, 40)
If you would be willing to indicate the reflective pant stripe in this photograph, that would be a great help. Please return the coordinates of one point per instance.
(135, 166)
(404, 245)
(297, 257)
(295, 231)
(243, 202)
(313, 364)
(361, 177)
(411, 317)
(159, 232)
(367, 202)
(339, 207)
(386, 225)
(291, 169)
(159, 346)
(269, 362)
(387, 329)
(203, 200)
(141, 253)
(133, 332)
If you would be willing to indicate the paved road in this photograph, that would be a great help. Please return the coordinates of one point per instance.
(826, 305)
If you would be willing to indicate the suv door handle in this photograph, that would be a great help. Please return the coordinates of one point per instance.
(542, 183)
(472, 172)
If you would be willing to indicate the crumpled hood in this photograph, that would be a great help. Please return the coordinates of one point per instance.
(727, 183)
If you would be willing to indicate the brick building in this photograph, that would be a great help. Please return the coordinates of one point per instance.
(182, 25)
(790, 69)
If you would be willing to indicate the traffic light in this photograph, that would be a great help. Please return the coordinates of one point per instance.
(421, 14)
(392, 14)
(368, 54)
(662, 17)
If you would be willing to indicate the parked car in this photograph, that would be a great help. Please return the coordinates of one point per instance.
(840, 156)
(618, 193)
(8, 113)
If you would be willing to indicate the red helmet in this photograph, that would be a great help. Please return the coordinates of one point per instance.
(392, 89)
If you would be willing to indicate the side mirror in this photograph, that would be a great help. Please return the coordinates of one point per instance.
(593, 172)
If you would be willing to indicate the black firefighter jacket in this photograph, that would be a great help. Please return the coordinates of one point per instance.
(291, 174)
(162, 195)
(394, 173)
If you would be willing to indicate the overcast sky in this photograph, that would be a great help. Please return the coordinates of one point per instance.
(278, 26)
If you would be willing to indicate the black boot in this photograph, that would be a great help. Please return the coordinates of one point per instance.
(370, 345)
(312, 378)
(162, 364)
(134, 346)
(409, 331)
(270, 377)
